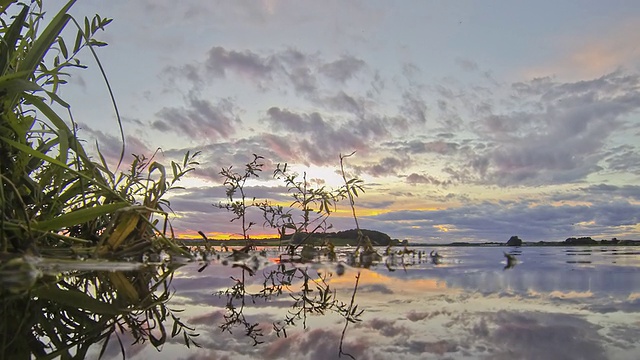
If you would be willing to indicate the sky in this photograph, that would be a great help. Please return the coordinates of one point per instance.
(470, 121)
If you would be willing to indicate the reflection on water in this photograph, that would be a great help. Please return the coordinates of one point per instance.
(469, 302)
(64, 313)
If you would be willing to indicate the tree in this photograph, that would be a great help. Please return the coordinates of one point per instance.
(514, 241)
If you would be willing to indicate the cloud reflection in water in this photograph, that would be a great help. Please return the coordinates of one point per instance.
(546, 307)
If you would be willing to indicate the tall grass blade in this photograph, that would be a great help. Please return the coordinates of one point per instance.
(11, 37)
(46, 39)
(78, 217)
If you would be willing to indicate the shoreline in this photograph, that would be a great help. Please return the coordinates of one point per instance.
(396, 243)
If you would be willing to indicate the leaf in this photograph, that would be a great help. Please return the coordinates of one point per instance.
(97, 43)
(11, 36)
(78, 42)
(64, 133)
(4, 4)
(16, 85)
(43, 43)
(127, 224)
(96, 179)
(77, 217)
(63, 48)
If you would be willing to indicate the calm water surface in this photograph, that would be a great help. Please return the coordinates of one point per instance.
(555, 303)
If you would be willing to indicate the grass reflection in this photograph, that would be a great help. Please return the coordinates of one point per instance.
(63, 316)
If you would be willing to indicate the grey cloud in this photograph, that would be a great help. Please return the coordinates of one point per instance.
(387, 328)
(313, 345)
(419, 316)
(284, 119)
(414, 107)
(624, 158)
(343, 102)
(246, 62)
(440, 347)
(424, 147)
(303, 80)
(561, 134)
(374, 204)
(342, 69)
(466, 64)
(324, 139)
(385, 166)
(298, 68)
(415, 179)
(110, 146)
(612, 191)
(628, 306)
(201, 120)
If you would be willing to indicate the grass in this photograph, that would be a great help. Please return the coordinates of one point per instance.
(58, 202)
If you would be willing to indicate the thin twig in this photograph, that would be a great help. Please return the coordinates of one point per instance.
(346, 323)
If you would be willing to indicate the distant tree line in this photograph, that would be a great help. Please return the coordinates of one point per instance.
(376, 237)
(585, 240)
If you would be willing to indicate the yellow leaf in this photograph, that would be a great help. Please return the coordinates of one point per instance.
(123, 229)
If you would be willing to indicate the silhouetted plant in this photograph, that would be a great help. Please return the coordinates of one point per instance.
(234, 183)
(309, 290)
(315, 205)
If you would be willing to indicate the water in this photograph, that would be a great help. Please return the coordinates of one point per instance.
(553, 303)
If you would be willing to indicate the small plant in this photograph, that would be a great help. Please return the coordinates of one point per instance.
(234, 183)
(315, 205)
(306, 217)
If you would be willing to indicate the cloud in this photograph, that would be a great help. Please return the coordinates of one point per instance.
(201, 120)
(466, 64)
(415, 179)
(248, 63)
(497, 221)
(623, 158)
(343, 69)
(268, 71)
(559, 135)
(110, 146)
(612, 191)
(386, 166)
(318, 140)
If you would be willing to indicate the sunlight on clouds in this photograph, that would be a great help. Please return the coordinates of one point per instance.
(442, 228)
(592, 55)
(571, 294)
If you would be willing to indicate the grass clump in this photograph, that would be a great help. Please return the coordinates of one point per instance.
(58, 205)
(53, 195)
